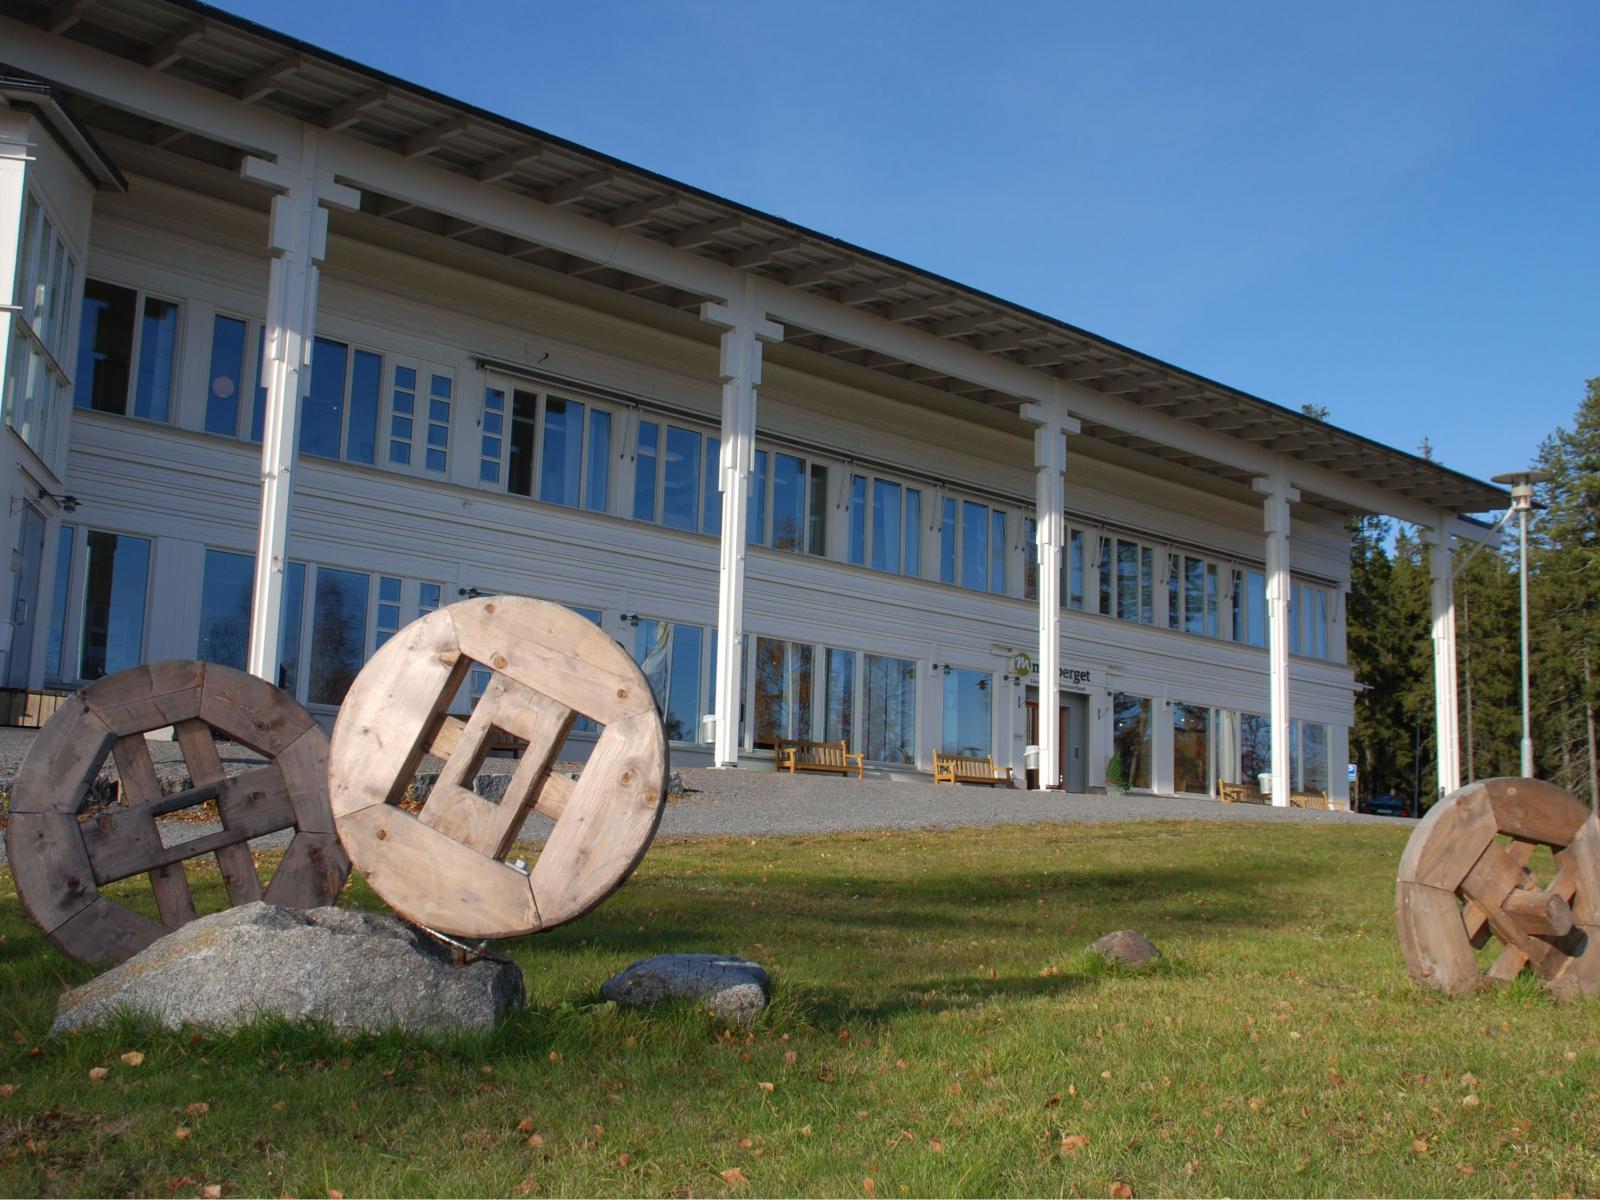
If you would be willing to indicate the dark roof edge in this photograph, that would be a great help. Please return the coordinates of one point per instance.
(296, 45)
(75, 140)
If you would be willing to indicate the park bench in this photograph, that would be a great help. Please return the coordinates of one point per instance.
(1249, 793)
(956, 768)
(793, 754)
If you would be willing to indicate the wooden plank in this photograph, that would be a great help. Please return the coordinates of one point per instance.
(449, 733)
(392, 707)
(311, 873)
(106, 932)
(174, 901)
(238, 706)
(233, 856)
(1535, 811)
(147, 697)
(433, 881)
(1581, 860)
(303, 763)
(555, 791)
(608, 823)
(1433, 939)
(1490, 882)
(1447, 842)
(136, 770)
(49, 866)
(554, 651)
(1473, 917)
(1539, 914)
(63, 760)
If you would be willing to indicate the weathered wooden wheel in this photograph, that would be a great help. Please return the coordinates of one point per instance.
(444, 868)
(60, 861)
(1465, 878)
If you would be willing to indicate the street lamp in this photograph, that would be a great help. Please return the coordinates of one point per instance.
(1522, 503)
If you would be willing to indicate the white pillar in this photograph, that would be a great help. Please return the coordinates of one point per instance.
(1277, 496)
(744, 329)
(298, 240)
(1447, 728)
(1052, 424)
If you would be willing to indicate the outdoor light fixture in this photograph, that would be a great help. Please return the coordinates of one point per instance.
(942, 668)
(471, 593)
(68, 502)
(629, 618)
(1522, 483)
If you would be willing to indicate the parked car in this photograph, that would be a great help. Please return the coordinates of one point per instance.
(1388, 806)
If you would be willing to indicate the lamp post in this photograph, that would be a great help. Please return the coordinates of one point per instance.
(1522, 503)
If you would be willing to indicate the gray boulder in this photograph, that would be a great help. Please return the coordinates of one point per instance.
(731, 989)
(1126, 946)
(358, 971)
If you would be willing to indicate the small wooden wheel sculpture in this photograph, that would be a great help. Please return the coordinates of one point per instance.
(1465, 878)
(60, 861)
(444, 868)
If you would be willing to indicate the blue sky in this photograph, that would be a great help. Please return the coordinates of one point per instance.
(1386, 208)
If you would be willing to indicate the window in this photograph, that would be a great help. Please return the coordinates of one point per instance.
(46, 276)
(1250, 608)
(429, 595)
(438, 449)
(1191, 748)
(839, 699)
(885, 525)
(229, 339)
(783, 691)
(675, 478)
(559, 449)
(1133, 737)
(493, 436)
(388, 616)
(55, 653)
(968, 713)
(338, 633)
(889, 709)
(1308, 756)
(1126, 580)
(1192, 595)
(1308, 620)
(402, 416)
(670, 657)
(580, 724)
(789, 503)
(116, 583)
(1255, 747)
(112, 360)
(226, 601)
(339, 414)
(1071, 566)
(972, 545)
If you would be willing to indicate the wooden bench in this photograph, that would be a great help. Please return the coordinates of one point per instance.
(1249, 793)
(835, 758)
(954, 768)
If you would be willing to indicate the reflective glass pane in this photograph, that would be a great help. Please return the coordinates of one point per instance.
(817, 512)
(227, 375)
(947, 542)
(652, 645)
(322, 409)
(1133, 738)
(999, 547)
(294, 607)
(885, 525)
(913, 533)
(225, 604)
(55, 650)
(839, 702)
(366, 385)
(974, 545)
(1194, 595)
(889, 700)
(258, 410)
(711, 521)
(1191, 748)
(1147, 588)
(1075, 569)
(1213, 600)
(338, 633)
(756, 532)
(1174, 591)
(771, 680)
(1030, 559)
(116, 582)
(158, 345)
(597, 472)
(1255, 747)
(858, 520)
(105, 347)
(788, 501)
(644, 472)
(519, 464)
(1313, 757)
(801, 674)
(561, 455)
(968, 714)
(1108, 572)
(1127, 580)
(680, 489)
(682, 715)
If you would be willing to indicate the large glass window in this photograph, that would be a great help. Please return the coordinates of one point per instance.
(105, 347)
(226, 599)
(675, 481)
(784, 692)
(158, 352)
(116, 584)
(338, 633)
(55, 653)
(229, 339)
(1133, 738)
(436, 457)
(1250, 608)
(46, 277)
(1191, 748)
(1193, 595)
(1308, 620)
(1308, 756)
(838, 716)
(1255, 747)
(968, 713)
(670, 656)
(972, 546)
(889, 709)
(339, 415)
(885, 525)
(1071, 566)
(789, 503)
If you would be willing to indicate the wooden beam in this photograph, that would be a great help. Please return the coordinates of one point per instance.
(957, 326)
(575, 188)
(342, 116)
(641, 211)
(505, 165)
(911, 310)
(265, 81)
(872, 289)
(761, 254)
(64, 16)
(170, 49)
(817, 272)
(426, 141)
(695, 236)
(1011, 340)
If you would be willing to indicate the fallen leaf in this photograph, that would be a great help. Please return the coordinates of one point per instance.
(1418, 1146)
(1120, 1191)
(335, 1194)
(554, 1056)
(1470, 1100)
(181, 1132)
(212, 1191)
(734, 1177)
(1255, 1103)
(7, 1090)
(1466, 1169)
(764, 1086)
(953, 1089)
(624, 1159)
(1105, 1074)
(868, 1187)
(805, 1131)
(1469, 1080)
(96, 1074)
(790, 1057)
(745, 1143)
(525, 1125)
(536, 1140)
(133, 1058)
(198, 1109)
(1071, 1143)
(1190, 1167)
(936, 1145)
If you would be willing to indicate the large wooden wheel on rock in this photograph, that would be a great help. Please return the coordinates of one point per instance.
(1465, 878)
(444, 868)
(59, 859)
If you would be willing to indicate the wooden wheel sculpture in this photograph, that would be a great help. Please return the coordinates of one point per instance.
(1465, 878)
(444, 868)
(60, 860)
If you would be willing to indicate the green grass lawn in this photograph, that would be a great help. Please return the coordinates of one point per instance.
(937, 1029)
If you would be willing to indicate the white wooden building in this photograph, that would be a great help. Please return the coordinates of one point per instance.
(297, 350)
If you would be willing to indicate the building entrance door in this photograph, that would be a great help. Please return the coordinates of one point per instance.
(25, 599)
(1074, 733)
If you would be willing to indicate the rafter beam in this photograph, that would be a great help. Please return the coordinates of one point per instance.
(64, 16)
(872, 289)
(342, 116)
(575, 188)
(426, 141)
(763, 253)
(170, 49)
(505, 165)
(699, 235)
(816, 272)
(911, 310)
(265, 81)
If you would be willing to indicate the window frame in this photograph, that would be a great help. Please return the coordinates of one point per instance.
(141, 295)
(509, 387)
(952, 523)
(813, 535)
(863, 512)
(46, 315)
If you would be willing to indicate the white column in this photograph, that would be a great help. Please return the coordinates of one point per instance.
(1052, 424)
(1278, 495)
(745, 327)
(298, 240)
(1447, 727)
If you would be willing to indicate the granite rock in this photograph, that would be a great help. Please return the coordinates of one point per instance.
(731, 989)
(1126, 946)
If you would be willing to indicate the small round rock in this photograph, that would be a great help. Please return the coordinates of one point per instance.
(734, 990)
(1126, 946)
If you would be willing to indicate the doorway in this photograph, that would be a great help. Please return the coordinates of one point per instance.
(1074, 734)
(25, 599)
